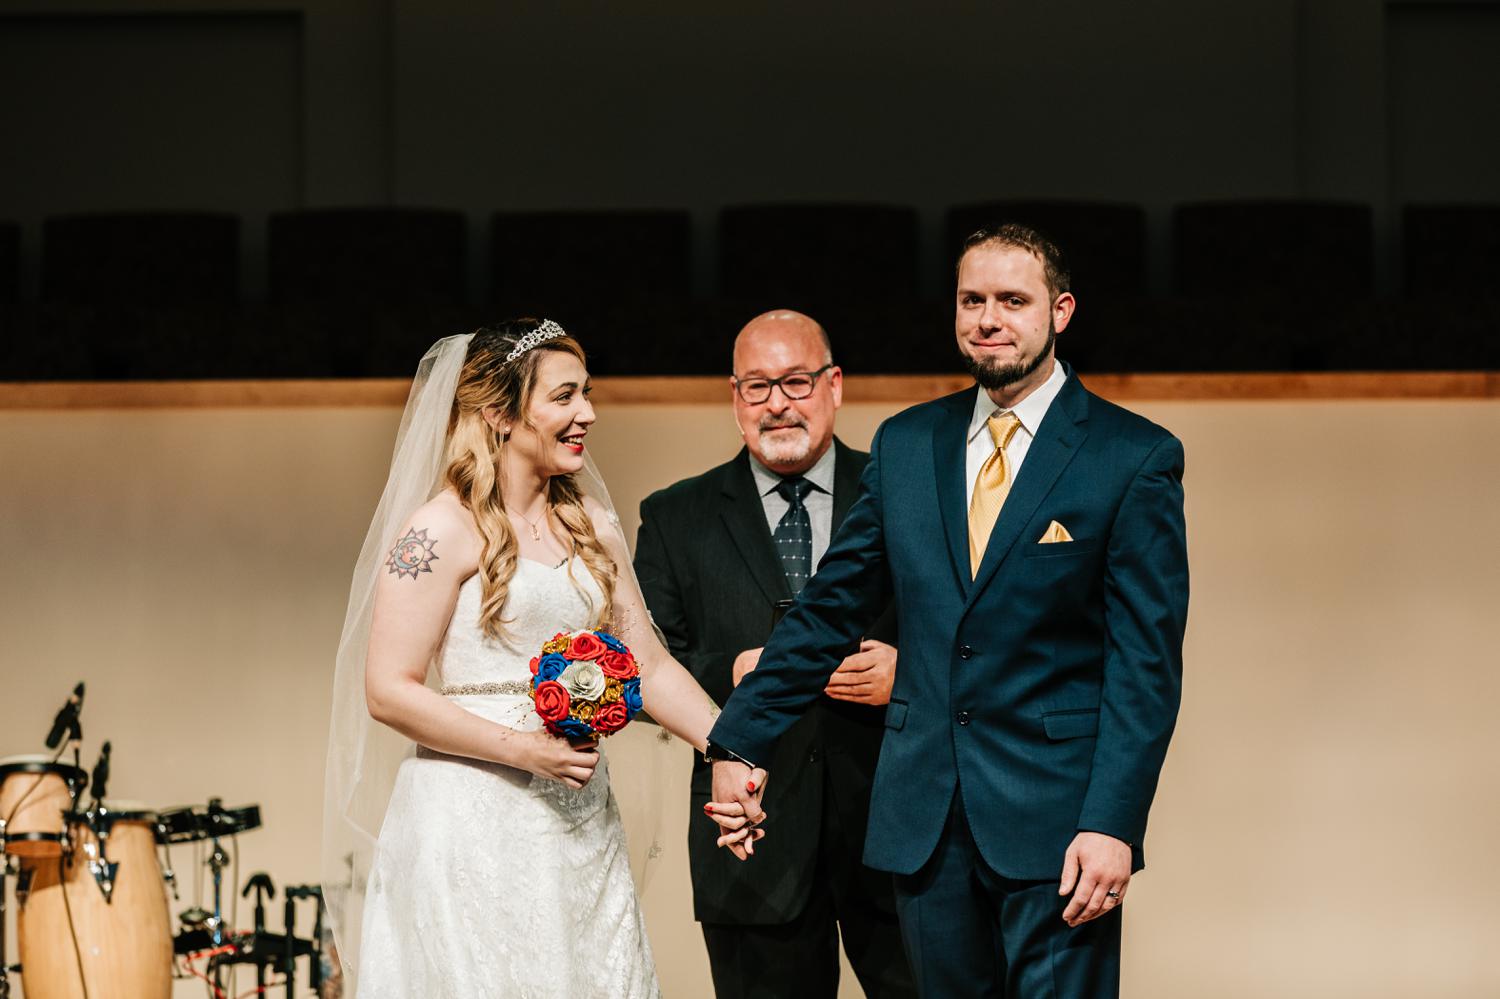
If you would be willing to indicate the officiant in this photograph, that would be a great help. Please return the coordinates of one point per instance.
(718, 555)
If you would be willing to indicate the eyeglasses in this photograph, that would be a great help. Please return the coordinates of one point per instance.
(795, 385)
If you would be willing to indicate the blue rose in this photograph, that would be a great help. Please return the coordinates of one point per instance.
(631, 695)
(550, 667)
(612, 642)
(575, 729)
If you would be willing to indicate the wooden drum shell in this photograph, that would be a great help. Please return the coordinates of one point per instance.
(125, 943)
(34, 796)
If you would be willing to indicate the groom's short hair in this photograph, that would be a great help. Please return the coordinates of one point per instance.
(1033, 241)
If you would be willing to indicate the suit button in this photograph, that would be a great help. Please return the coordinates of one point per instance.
(812, 757)
(964, 652)
(963, 718)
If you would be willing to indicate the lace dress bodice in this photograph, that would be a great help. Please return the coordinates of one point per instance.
(542, 601)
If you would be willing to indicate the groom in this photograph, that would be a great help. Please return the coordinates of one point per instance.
(1032, 537)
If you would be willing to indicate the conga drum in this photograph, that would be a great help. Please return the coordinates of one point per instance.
(34, 794)
(124, 940)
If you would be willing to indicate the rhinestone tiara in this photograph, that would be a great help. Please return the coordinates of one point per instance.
(548, 330)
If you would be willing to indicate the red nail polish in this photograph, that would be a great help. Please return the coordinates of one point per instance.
(750, 786)
(709, 809)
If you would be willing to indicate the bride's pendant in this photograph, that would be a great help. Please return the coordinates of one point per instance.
(536, 534)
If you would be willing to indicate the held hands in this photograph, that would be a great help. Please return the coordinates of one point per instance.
(1095, 865)
(865, 677)
(737, 791)
(555, 758)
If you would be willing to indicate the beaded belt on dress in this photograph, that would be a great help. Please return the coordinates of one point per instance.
(520, 687)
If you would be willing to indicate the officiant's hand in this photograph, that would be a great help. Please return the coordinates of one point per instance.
(865, 677)
(1096, 870)
(744, 664)
(737, 791)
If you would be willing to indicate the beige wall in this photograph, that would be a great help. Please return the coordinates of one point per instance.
(1326, 814)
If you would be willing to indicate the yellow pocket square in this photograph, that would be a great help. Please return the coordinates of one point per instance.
(1055, 533)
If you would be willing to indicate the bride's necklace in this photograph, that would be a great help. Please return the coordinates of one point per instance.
(536, 532)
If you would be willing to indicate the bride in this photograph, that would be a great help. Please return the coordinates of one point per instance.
(495, 851)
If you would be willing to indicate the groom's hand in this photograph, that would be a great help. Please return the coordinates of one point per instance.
(737, 791)
(1096, 870)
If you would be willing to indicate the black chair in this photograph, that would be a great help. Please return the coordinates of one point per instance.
(853, 267)
(10, 262)
(1104, 243)
(1451, 250)
(619, 280)
(540, 261)
(367, 257)
(1270, 251)
(811, 256)
(151, 260)
(363, 291)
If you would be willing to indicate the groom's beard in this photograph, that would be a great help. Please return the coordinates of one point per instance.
(995, 375)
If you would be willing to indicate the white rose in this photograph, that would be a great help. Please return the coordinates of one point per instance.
(584, 681)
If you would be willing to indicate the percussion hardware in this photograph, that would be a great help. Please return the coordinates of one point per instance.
(314, 965)
(101, 773)
(23, 883)
(67, 719)
(167, 873)
(101, 821)
(291, 894)
(6, 863)
(217, 861)
(99, 866)
(260, 882)
(195, 824)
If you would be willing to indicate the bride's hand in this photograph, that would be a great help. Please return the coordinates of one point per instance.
(555, 758)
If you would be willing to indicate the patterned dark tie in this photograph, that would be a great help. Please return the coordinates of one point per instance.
(793, 534)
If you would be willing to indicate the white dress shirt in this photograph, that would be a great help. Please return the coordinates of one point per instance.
(819, 501)
(1029, 411)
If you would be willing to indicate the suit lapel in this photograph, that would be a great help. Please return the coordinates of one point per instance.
(1063, 429)
(949, 442)
(744, 517)
(845, 483)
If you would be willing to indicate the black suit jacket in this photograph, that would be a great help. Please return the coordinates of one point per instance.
(711, 579)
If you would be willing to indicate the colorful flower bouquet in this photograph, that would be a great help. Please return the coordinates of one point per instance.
(585, 684)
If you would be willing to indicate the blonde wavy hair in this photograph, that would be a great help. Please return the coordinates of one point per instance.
(472, 461)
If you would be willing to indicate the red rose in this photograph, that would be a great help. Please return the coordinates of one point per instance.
(610, 718)
(534, 661)
(552, 701)
(621, 666)
(584, 646)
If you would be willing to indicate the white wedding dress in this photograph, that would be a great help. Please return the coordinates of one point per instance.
(488, 881)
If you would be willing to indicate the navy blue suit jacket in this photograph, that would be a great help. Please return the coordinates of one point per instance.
(1043, 691)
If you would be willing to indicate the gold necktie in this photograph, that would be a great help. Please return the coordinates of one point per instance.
(990, 488)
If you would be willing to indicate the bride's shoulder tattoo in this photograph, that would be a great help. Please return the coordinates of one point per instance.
(412, 554)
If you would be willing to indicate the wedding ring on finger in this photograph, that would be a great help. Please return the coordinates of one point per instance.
(1112, 894)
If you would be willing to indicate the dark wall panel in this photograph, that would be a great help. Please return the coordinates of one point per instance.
(184, 112)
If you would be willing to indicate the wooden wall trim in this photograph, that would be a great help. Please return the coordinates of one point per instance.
(342, 393)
